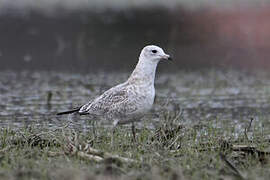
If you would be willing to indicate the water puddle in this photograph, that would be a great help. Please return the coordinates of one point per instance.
(33, 98)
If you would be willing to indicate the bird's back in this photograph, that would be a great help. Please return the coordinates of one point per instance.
(123, 102)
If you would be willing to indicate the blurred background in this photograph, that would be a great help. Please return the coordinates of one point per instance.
(90, 35)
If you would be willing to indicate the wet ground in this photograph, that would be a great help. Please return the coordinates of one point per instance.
(225, 97)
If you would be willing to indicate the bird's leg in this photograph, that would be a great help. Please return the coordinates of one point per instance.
(133, 131)
(112, 136)
(115, 122)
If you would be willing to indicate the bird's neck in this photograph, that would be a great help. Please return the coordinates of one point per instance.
(144, 73)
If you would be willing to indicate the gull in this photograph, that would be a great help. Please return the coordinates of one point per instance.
(128, 102)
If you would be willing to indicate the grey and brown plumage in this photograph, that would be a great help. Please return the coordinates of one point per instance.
(131, 100)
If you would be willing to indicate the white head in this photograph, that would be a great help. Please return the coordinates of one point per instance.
(146, 67)
(154, 53)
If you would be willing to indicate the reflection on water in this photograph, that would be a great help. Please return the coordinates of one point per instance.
(231, 98)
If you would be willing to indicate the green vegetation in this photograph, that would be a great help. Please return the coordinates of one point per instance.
(170, 150)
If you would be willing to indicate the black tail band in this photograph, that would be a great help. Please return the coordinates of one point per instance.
(69, 112)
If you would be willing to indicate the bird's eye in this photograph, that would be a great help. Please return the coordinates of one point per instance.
(154, 51)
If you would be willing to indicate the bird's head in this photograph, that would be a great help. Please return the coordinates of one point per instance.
(154, 53)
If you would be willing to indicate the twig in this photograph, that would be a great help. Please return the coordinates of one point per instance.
(53, 154)
(228, 163)
(106, 155)
(89, 156)
(249, 149)
(73, 147)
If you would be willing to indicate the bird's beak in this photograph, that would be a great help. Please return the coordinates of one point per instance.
(166, 57)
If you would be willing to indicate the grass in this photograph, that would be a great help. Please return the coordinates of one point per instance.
(169, 151)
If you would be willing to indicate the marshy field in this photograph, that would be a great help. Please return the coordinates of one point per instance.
(205, 124)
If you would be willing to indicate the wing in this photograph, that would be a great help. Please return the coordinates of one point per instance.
(115, 102)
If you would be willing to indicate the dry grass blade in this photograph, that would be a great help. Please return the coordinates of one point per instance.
(173, 143)
(247, 129)
(5, 149)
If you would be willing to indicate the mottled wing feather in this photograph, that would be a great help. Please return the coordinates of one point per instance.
(115, 102)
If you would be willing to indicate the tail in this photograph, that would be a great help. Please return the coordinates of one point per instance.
(69, 112)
